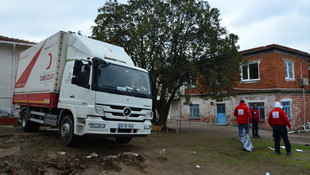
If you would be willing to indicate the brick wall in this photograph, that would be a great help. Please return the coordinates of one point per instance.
(272, 71)
(297, 107)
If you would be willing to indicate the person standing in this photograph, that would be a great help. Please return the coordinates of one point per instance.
(278, 120)
(255, 120)
(243, 115)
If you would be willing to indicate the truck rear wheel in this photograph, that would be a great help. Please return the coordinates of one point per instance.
(67, 136)
(27, 125)
(123, 140)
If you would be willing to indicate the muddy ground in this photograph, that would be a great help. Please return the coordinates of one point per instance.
(208, 149)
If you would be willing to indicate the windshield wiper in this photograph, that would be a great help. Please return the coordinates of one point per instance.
(140, 95)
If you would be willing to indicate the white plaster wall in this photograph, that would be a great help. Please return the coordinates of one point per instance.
(6, 76)
(6, 73)
(267, 99)
(207, 108)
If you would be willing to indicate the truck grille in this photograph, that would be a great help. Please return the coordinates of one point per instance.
(122, 108)
(122, 115)
(118, 111)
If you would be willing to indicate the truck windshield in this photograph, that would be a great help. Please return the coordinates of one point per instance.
(121, 80)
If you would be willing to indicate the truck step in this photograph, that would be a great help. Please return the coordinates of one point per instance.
(50, 119)
(37, 113)
(36, 120)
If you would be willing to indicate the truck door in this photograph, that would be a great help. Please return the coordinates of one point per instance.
(75, 88)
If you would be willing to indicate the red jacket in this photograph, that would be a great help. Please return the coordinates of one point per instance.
(243, 113)
(255, 113)
(278, 117)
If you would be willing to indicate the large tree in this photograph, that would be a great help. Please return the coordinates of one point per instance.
(176, 41)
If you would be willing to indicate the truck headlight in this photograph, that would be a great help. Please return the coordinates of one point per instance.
(149, 115)
(99, 110)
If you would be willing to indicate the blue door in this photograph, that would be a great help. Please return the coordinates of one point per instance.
(221, 116)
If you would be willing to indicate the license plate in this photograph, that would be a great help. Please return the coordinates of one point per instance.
(125, 126)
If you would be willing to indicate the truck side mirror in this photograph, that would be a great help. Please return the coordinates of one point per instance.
(77, 67)
(75, 80)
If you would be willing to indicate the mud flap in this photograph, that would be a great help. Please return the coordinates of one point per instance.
(246, 142)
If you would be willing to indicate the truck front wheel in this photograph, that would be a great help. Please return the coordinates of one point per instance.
(67, 136)
(123, 140)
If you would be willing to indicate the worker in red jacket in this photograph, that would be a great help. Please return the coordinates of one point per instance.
(243, 115)
(278, 120)
(255, 120)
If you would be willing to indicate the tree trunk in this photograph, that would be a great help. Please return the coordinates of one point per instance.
(163, 105)
(163, 111)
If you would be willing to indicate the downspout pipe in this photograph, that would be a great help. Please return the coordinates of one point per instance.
(305, 126)
(13, 76)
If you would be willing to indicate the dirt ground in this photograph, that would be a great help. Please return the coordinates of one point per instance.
(206, 149)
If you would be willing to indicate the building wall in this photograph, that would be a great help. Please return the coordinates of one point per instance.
(299, 108)
(208, 112)
(270, 87)
(272, 71)
(6, 75)
(207, 108)
(6, 53)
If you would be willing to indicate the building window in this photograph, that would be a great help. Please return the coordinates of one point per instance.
(250, 72)
(289, 70)
(193, 81)
(260, 106)
(287, 108)
(194, 111)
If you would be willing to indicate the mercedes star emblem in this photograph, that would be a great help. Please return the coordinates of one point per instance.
(127, 111)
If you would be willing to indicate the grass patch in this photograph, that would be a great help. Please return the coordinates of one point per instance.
(228, 152)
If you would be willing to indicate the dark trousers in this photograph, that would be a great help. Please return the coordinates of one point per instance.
(278, 132)
(255, 128)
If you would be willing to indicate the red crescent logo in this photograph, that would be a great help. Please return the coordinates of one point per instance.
(50, 54)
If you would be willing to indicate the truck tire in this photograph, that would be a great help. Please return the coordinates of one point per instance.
(27, 125)
(66, 127)
(123, 140)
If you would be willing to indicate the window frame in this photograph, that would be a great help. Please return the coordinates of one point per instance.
(193, 108)
(262, 116)
(248, 71)
(289, 114)
(83, 76)
(286, 67)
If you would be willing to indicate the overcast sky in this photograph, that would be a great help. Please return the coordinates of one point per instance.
(256, 22)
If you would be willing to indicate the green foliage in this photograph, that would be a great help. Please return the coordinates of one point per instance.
(175, 41)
